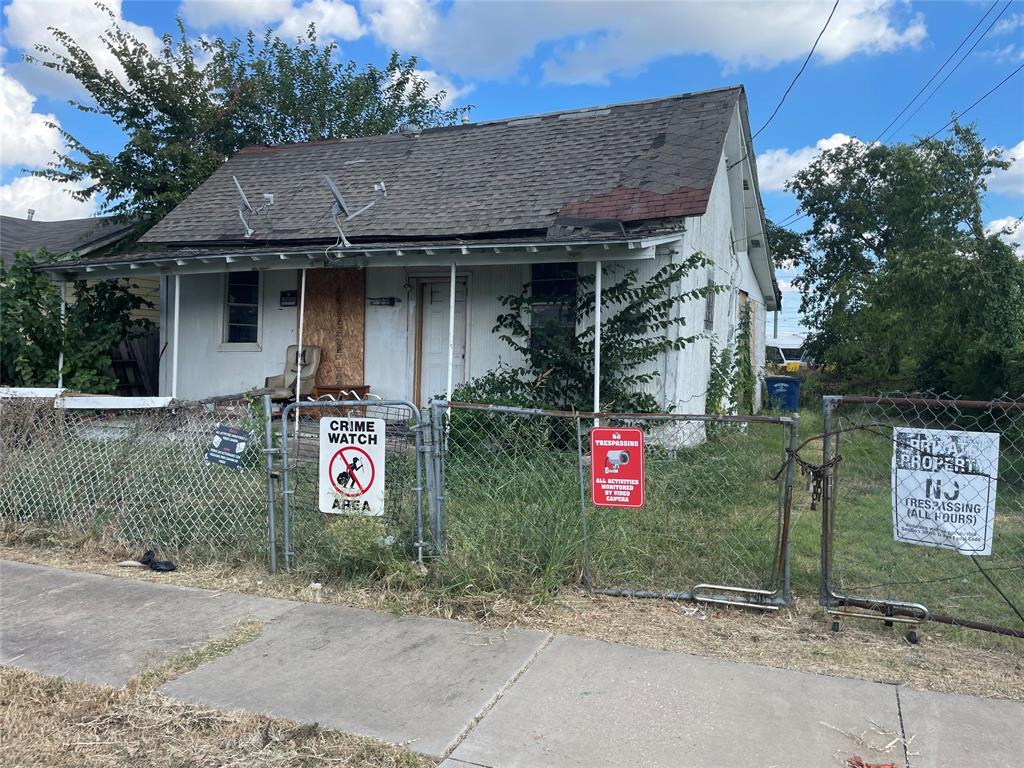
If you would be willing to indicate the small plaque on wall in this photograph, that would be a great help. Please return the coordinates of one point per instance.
(288, 298)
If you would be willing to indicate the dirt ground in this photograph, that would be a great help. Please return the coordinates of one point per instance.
(799, 637)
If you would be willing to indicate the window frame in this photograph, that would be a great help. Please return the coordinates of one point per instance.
(709, 304)
(241, 346)
(559, 301)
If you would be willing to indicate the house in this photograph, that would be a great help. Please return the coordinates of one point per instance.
(484, 208)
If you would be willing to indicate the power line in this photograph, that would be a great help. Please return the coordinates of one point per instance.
(790, 87)
(936, 73)
(955, 67)
(799, 72)
(978, 101)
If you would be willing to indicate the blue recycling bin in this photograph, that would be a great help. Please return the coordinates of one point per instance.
(783, 392)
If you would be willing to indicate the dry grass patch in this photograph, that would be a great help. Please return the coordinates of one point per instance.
(798, 638)
(49, 721)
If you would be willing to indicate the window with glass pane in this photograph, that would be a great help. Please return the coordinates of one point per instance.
(554, 285)
(242, 308)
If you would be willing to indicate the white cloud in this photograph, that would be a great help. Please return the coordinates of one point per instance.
(1010, 181)
(1010, 228)
(437, 82)
(333, 18)
(26, 27)
(204, 14)
(26, 138)
(776, 166)
(593, 40)
(1009, 24)
(51, 201)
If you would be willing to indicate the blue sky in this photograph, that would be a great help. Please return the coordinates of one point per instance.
(517, 57)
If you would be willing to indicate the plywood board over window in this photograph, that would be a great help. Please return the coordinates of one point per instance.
(335, 322)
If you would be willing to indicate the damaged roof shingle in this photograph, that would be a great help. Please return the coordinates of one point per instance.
(631, 163)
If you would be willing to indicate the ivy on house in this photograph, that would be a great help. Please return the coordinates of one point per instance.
(733, 382)
(640, 320)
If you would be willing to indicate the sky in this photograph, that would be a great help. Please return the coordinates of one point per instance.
(517, 57)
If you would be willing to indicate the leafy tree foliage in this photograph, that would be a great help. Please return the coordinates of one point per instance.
(188, 106)
(639, 321)
(900, 284)
(32, 336)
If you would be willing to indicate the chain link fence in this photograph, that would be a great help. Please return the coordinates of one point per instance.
(349, 544)
(518, 512)
(139, 476)
(924, 510)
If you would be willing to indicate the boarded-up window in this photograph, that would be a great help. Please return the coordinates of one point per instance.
(242, 308)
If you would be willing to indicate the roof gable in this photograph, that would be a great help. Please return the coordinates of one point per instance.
(631, 162)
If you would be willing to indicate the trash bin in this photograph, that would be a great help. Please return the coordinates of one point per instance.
(783, 392)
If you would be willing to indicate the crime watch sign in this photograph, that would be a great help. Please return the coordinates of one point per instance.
(617, 467)
(351, 466)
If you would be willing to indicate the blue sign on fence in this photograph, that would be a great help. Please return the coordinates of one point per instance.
(227, 446)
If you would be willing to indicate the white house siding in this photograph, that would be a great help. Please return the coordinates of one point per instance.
(208, 367)
(391, 331)
(712, 234)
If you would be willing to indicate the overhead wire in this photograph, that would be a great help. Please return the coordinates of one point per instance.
(935, 73)
(791, 84)
(954, 69)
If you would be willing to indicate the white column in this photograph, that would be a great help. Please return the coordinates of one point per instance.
(63, 333)
(597, 339)
(174, 343)
(451, 333)
(298, 358)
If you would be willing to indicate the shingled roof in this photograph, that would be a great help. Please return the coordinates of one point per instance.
(634, 163)
(57, 238)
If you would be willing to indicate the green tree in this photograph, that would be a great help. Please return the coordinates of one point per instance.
(900, 285)
(32, 335)
(639, 321)
(185, 108)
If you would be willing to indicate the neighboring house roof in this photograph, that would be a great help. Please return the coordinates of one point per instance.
(631, 163)
(83, 236)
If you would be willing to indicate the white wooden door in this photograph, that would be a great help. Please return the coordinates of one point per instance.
(434, 339)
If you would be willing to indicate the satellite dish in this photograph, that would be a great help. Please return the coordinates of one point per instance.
(339, 201)
(243, 206)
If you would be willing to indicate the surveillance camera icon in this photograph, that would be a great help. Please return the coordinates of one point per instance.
(615, 460)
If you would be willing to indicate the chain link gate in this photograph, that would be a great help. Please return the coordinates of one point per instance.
(310, 538)
(865, 572)
(137, 475)
(714, 526)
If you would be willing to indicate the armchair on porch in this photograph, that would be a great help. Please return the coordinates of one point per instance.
(282, 386)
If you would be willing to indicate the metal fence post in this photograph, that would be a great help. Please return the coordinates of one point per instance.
(787, 506)
(286, 491)
(268, 452)
(587, 581)
(828, 405)
(438, 522)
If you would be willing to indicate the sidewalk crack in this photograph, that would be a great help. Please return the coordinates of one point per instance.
(903, 730)
(497, 696)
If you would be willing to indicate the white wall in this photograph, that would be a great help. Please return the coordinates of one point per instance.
(208, 367)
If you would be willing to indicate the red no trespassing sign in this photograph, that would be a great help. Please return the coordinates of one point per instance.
(617, 467)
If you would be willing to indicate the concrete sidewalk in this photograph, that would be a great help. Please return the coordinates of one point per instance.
(513, 699)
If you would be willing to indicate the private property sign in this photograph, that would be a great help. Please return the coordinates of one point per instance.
(351, 466)
(617, 467)
(944, 488)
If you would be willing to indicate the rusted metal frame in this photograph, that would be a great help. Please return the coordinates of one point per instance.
(603, 415)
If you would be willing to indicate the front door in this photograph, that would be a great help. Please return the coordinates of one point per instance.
(433, 373)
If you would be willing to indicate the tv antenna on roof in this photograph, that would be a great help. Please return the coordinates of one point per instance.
(244, 206)
(339, 209)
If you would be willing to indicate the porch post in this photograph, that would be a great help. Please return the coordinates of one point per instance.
(451, 333)
(597, 339)
(63, 333)
(174, 343)
(298, 359)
